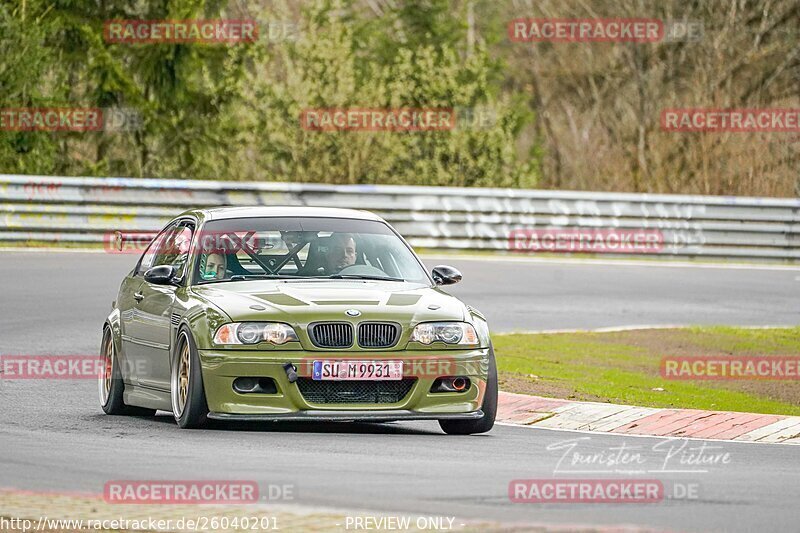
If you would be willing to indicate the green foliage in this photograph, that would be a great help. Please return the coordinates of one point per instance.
(232, 112)
(579, 116)
(342, 65)
(24, 64)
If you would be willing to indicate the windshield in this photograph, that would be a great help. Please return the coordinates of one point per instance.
(294, 248)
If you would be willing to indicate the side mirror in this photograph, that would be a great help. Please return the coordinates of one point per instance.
(160, 275)
(445, 275)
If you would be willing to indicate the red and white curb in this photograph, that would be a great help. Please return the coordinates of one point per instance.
(551, 413)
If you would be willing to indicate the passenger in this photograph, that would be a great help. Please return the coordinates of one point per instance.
(216, 266)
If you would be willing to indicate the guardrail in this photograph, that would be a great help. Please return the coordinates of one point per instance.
(86, 210)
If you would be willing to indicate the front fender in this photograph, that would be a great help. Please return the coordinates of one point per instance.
(203, 321)
(113, 322)
(481, 326)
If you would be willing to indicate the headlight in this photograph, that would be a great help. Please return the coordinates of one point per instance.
(447, 332)
(254, 333)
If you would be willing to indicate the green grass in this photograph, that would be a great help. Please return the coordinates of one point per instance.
(623, 367)
(751, 341)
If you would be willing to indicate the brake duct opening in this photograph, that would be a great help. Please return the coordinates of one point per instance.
(255, 385)
(451, 384)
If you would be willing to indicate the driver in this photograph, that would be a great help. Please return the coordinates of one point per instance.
(342, 253)
(216, 266)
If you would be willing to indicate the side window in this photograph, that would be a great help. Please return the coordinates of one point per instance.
(146, 262)
(174, 250)
(170, 247)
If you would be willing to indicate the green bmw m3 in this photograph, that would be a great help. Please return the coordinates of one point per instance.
(294, 313)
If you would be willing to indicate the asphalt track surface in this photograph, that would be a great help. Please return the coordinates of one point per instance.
(53, 435)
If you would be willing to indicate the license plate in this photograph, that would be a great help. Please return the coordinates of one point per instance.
(360, 370)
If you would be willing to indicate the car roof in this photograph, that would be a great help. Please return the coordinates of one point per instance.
(223, 213)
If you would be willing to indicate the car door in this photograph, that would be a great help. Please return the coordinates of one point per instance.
(155, 306)
(134, 363)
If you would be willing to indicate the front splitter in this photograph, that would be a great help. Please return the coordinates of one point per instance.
(346, 416)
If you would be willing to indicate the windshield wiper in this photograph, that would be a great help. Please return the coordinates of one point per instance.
(242, 277)
(356, 276)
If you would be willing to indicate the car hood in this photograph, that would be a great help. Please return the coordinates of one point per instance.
(302, 302)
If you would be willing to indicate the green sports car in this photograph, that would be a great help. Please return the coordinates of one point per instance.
(294, 313)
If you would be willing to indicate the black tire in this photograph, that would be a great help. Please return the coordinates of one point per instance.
(489, 407)
(194, 412)
(111, 395)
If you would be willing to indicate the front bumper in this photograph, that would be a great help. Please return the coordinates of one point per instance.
(221, 367)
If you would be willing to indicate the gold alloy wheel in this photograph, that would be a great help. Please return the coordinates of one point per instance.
(182, 391)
